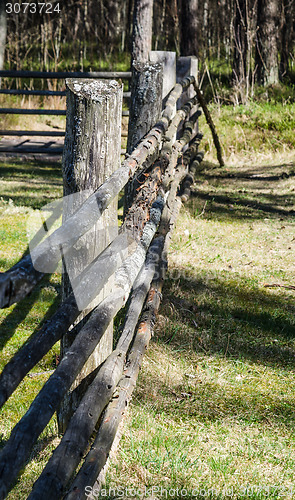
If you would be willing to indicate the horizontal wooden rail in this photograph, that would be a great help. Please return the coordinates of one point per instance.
(42, 92)
(33, 92)
(66, 74)
(41, 133)
(20, 111)
(36, 150)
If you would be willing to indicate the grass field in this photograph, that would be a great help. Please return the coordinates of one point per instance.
(213, 412)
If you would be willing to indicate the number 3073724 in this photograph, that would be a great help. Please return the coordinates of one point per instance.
(32, 8)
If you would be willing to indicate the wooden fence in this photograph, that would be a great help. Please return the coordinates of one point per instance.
(60, 75)
(130, 266)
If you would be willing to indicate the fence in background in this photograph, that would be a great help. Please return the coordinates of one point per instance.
(23, 148)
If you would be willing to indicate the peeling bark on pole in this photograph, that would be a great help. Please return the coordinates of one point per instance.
(142, 30)
(145, 109)
(91, 154)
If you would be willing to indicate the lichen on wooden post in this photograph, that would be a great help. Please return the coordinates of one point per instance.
(91, 154)
(145, 109)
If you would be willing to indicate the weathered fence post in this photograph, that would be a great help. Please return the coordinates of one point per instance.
(168, 59)
(91, 154)
(187, 66)
(145, 109)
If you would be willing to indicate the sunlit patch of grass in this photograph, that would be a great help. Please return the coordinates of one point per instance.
(32, 184)
(252, 133)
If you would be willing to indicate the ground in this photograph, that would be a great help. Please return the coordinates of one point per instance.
(214, 407)
(213, 411)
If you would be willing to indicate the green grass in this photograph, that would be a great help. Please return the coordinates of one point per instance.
(254, 132)
(213, 411)
(214, 406)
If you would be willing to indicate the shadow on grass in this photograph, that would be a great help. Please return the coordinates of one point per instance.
(246, 192)
(33, 184)
(257, 173)
(207, 401)
(19, 313)
(227, 317)
(35, 169)
(224, 320)
(27, 200)
(219, 199)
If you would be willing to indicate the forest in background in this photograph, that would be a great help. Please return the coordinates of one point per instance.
(241, 41)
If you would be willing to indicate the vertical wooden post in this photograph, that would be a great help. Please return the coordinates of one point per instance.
(145, 109)
(168, 59)
(91, 154)
(187, 66)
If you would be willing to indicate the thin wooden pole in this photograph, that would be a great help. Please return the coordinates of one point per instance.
(211, 124)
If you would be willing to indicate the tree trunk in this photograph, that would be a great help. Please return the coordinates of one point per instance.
(287, 34)
(267, 43)
(142, 30)
(189, 21)
(240, 43)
